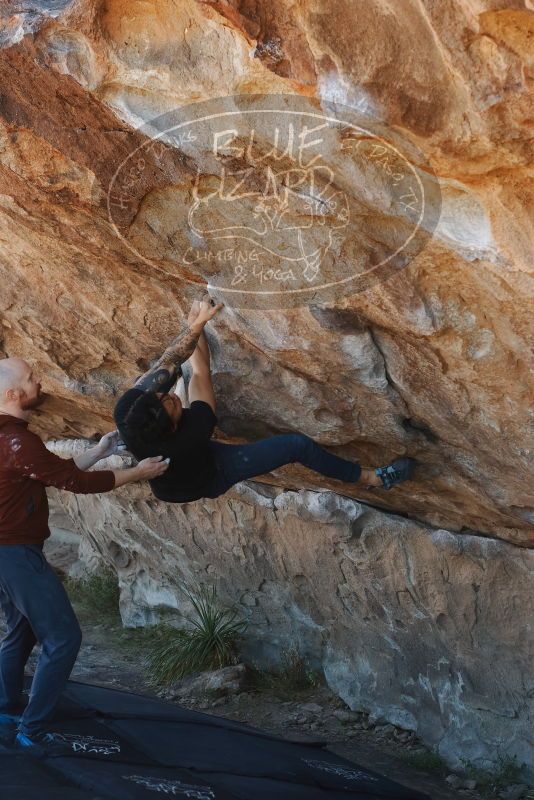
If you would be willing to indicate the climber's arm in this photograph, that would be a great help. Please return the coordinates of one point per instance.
(163, 375)
(200, 360)
(200, 386)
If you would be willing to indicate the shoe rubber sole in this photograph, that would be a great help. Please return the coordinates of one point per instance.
(398, 471)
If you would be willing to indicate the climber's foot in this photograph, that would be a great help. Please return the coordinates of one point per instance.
(43, 744)
(8, 727)
(399, 470)
(369, 479)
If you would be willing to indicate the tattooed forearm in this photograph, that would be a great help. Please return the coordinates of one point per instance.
(158, 380)
(183, 346)
(163, 375)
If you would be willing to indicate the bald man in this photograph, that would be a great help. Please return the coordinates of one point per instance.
(32, 598)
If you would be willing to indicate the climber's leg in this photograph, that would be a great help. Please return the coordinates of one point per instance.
(240, 462)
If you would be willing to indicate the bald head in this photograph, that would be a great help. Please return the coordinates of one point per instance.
(19, 389)
(12, 373)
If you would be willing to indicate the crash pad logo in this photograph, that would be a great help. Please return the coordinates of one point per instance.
(339, 770)
(273, 200)
(172, 787)
(88, 744)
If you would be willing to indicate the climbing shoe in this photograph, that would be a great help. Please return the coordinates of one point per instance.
(9, 720)
(8, 727)
(43, 744)
(399, 470)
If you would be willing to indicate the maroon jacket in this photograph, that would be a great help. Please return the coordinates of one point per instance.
(26, 467)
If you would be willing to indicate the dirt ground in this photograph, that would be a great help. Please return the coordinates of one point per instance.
(106, 659)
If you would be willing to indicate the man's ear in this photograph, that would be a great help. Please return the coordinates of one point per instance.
(12, 394)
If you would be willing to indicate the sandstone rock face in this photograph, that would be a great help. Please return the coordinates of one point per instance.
(425, 628)
(433, 362)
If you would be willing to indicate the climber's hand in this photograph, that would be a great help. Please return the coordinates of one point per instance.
(206, 311)
(193, 314)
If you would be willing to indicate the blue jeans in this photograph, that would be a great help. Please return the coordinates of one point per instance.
(37, 609)
(238, 462)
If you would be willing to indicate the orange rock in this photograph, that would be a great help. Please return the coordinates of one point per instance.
(433, 362)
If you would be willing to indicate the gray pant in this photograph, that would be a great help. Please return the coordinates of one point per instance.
(37, 609)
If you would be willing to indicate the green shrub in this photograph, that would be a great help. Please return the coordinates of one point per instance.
(137, 641)
(292, 677)
(507, 772)
(210, 644)
(98, 594)
(427, 760)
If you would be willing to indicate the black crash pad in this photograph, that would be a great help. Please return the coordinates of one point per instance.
(130, 747)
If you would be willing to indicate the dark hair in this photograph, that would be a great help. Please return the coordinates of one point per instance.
(146, 420)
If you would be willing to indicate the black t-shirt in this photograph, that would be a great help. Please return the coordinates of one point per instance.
(192, 463)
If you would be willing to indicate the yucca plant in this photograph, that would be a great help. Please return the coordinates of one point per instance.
(210, 644)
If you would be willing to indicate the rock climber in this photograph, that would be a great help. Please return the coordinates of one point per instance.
(151, 419)
(32, 597)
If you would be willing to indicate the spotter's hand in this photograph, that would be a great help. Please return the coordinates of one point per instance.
(110, 445)
(151, 468)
